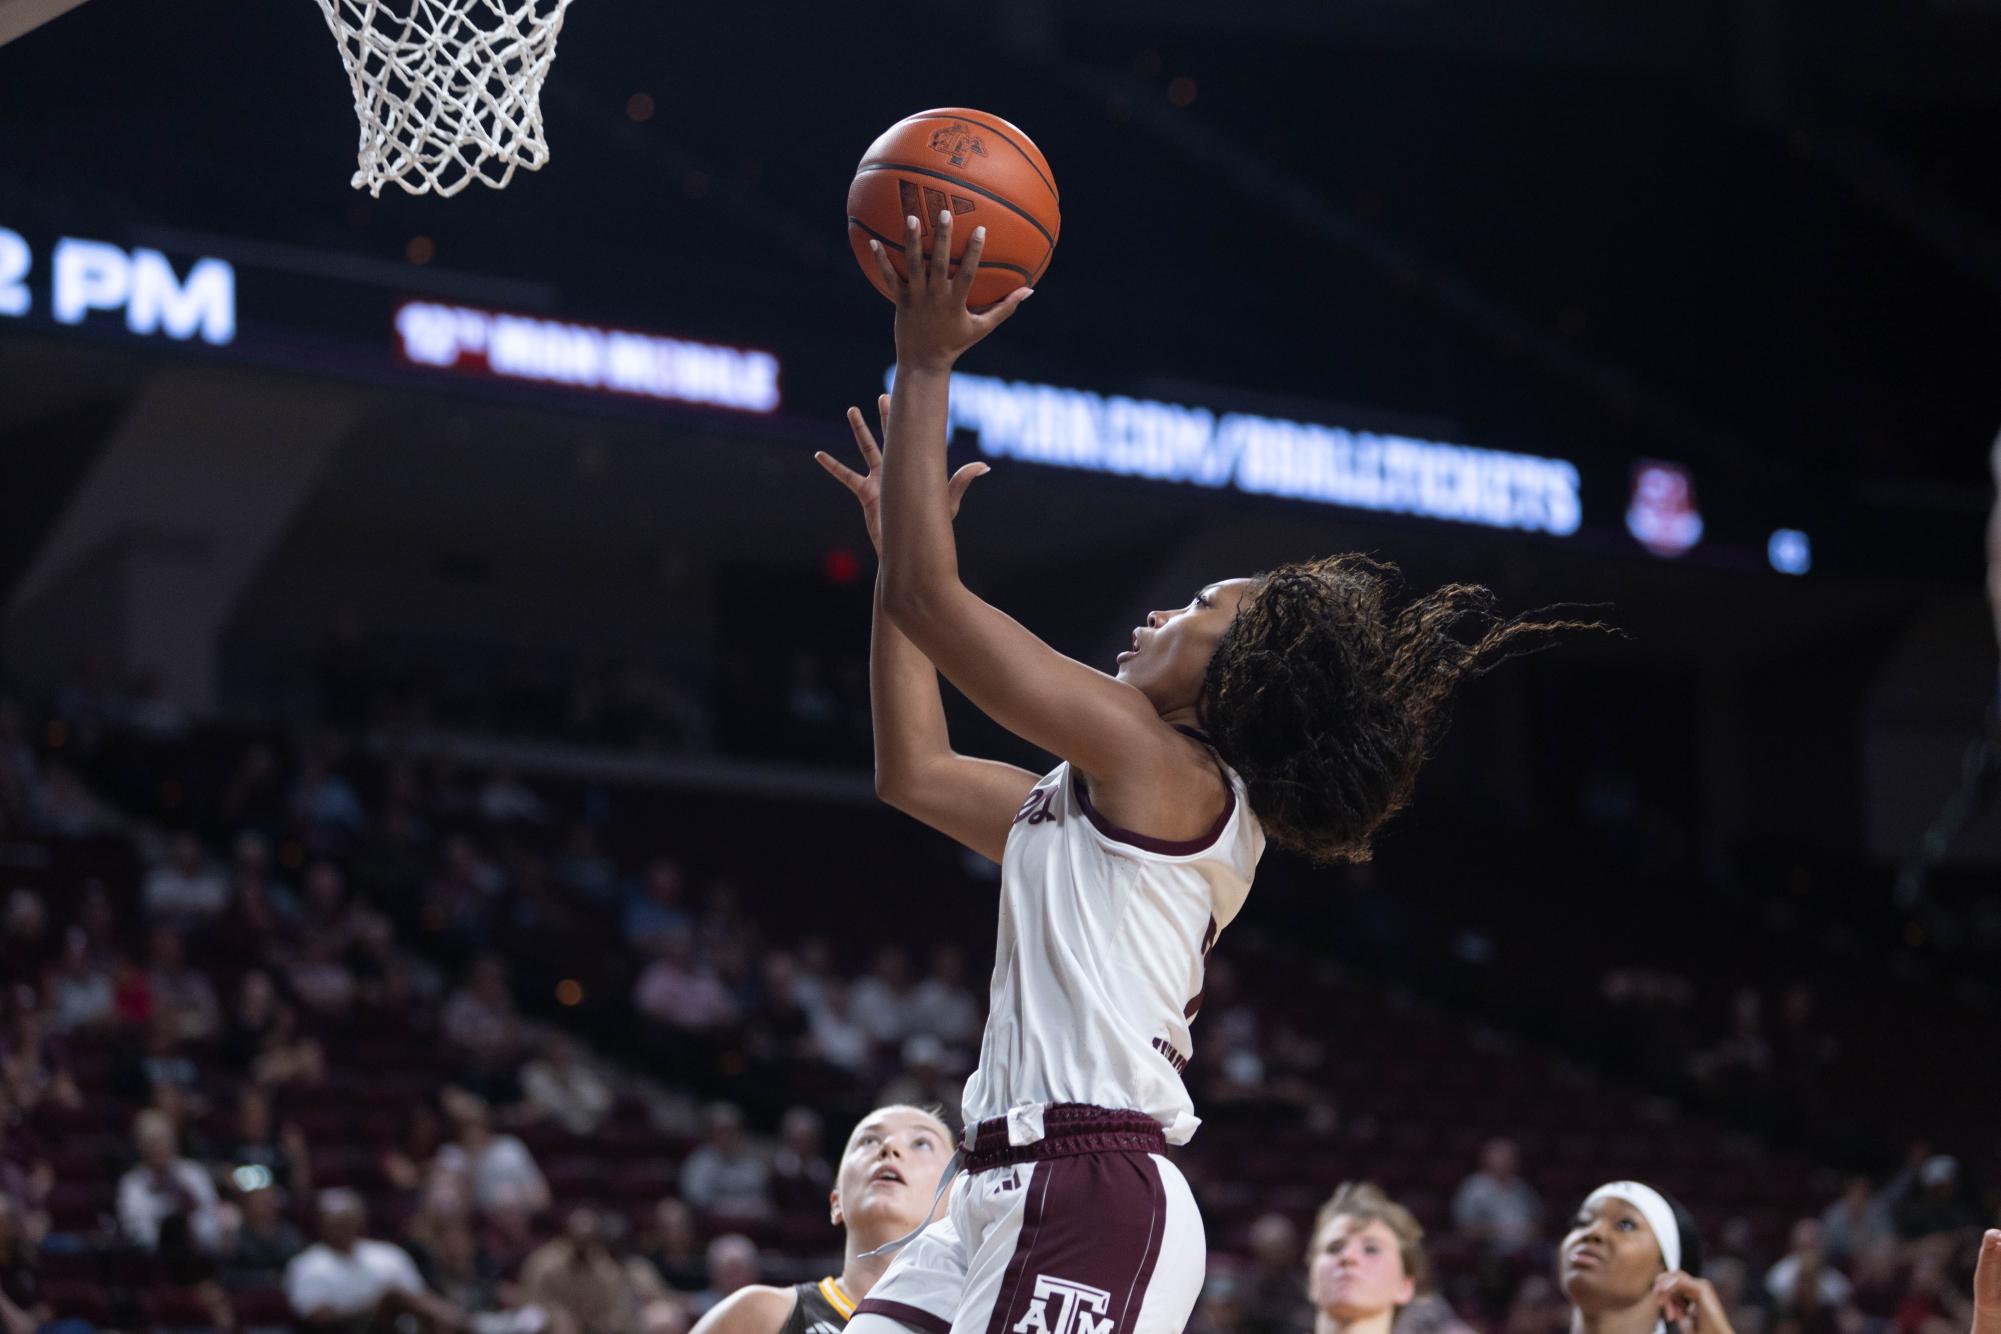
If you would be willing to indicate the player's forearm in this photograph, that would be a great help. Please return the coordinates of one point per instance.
(905, 708)
(919, 558)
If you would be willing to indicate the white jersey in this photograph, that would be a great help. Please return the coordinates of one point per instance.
(1098, 967)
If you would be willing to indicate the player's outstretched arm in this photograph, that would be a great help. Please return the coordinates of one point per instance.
(916, 770)
(1987, 1285)
(1100, 724)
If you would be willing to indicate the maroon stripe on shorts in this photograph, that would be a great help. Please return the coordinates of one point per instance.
(914, 1316)
(1091, 1235)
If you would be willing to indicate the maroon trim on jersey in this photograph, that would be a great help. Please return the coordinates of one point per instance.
(914, 1316)
(1068, 1129)
(1096, 1221)
(1146, 843)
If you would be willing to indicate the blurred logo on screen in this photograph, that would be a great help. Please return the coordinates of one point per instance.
(1662, 515)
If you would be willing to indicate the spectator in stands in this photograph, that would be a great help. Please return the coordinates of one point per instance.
(262, 913)
(463, 1273)
(254, 797)
(1633, 1258)
(836, 1036)
(1271, 1296)
(1935, 1201)
(162, 1064)
(256, 1141)
(498, 1170)
(26, 1176)
(887, 1189)
(346, 1281)
(321, 977)
(405, 1163)
(1495, 1206)
(505, 799)
(1804, 1281)
(1365, 1263)
(929, 1076)
(675, 1246)
(777, 1025)
(484, 1029)
(79, 988)
(1856, 1222)
(800, 1174)
(1932, 1303)
(34, 1065)
(733, 1263)
(726, 1174)
(577, 1273)
(166, 1202)
(263, 1242)
(881, 1001)
(325, 805)
(182, 994)
(584, 869)
(25, 946)
(942, 1005)
(71, 810)
(22, 1308)
(561, 1086)
(681, 991)
(262, 1038)
(184, 890)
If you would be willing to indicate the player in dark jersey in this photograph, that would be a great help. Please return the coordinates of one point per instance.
(887, 1185)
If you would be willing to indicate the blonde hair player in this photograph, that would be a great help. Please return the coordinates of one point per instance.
(1365, 1262)
(887, 1188)
(1297, 704)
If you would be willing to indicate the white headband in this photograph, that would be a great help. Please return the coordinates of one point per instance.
(1653, 1207)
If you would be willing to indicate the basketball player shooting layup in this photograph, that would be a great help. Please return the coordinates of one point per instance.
(1296, 705)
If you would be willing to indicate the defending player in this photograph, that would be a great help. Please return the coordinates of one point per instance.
(1297, 704)
(887, 1187)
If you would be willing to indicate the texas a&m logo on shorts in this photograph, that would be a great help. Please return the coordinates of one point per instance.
(1063, 1307)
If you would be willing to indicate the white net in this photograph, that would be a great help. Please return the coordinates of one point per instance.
(447, 91)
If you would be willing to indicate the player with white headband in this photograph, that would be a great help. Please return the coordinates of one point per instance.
(1631, 1264)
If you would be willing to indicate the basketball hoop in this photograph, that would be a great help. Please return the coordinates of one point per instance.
(447, 91)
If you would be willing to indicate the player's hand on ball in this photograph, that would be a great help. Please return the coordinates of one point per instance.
(868, 488)
(933, 325)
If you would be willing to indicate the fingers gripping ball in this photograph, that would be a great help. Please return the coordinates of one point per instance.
(987, 172)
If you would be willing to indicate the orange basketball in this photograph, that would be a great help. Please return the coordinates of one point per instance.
(985, 170)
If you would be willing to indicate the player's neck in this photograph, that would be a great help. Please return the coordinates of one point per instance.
(1637, 1319)
(1184, 715)
(1324, 1323)
(859, 1274)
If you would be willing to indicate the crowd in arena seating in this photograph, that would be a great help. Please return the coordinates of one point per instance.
(297, 1034)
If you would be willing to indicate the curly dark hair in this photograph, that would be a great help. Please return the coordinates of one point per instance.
(1326, 699)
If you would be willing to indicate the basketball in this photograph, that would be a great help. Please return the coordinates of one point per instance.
(985, 170)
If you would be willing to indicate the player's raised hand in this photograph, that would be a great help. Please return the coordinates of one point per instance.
(1690, 1303)
(1987, 1285)
(933, 325)
(867, 487)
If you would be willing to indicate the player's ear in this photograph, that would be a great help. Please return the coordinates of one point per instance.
(834, 1205)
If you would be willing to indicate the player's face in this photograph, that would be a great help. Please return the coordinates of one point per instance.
(1171, 651)
(889, 1174)
(1356, 1270)
(1610, 1257)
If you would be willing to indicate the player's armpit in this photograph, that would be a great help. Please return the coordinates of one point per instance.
(753, 1310)
(1100, 724)
(971, 801)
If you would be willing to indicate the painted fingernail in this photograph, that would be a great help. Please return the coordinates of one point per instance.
(979, 233)
(874, 244)
(910, 221)
(944, 217)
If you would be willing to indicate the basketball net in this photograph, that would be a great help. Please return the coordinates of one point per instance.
(447, 91)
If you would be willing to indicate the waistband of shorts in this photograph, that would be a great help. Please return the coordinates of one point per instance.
(1068, 1129)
